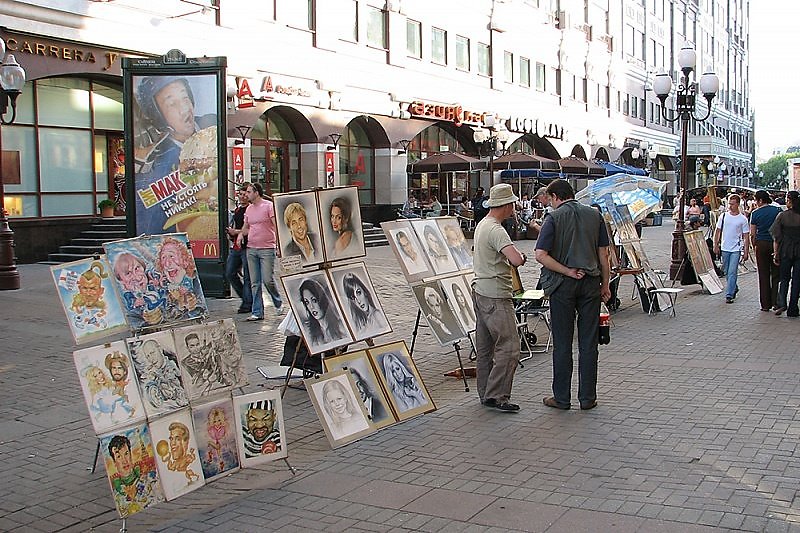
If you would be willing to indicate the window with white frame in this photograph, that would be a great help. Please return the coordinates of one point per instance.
(439, 46)
(541, 85)
(462, 52)
(524, 71)
(298, 14)
(508, 66)
(376, 27)
(414, 38)
(484, 60)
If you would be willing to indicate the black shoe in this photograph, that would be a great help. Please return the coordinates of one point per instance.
(507, 407)
(243, 310)
(551, 402)
(588, 405)
(489, 402)
(728, 300)
(793, 313)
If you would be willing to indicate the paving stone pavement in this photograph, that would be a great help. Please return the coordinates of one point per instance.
(696, 430)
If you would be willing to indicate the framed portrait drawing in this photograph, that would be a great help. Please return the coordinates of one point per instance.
(430, 297)
(459, 297)
(298, 228)
(434, 246)
(456, 242)
(109, 386)
(317, 311)
(89, 297)
(401, 380)
(340, 213)
(358, 298)
(210, 358)
(156, 365)
(157, 279)
(130, 463)
(339, 407)
(407, 249)
(177, 459)
(215, 427)
(377, 406)
(261, 434)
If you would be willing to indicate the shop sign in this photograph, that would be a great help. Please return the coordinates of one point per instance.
(330, 172)
(540, 127)
(237, 154)
(267, 89)
(451, 113)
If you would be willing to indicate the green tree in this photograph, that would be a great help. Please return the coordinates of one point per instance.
(773, 169)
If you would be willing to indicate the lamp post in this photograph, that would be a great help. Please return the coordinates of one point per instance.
(685, 107)
(489, 141)
(12, 79)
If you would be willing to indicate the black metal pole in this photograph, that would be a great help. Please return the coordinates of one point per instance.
(9, 275)
(678, 242)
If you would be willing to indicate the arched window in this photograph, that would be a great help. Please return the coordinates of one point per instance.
(274, 159)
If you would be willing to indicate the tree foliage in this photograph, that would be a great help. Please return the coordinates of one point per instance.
(773, 169)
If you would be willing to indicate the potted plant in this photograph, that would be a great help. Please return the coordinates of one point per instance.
(106, 208)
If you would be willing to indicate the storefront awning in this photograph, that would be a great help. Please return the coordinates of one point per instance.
(446, 162)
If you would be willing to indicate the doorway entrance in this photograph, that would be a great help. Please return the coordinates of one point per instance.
(269, 165)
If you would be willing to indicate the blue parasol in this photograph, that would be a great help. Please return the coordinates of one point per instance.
(642, 195)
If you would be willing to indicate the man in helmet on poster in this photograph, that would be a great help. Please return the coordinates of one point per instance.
(166, 120)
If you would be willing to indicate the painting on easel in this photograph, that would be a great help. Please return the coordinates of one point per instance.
(89, 298)
(401, 380)
(156, 366)
(215, 430)
(379, 410)
(342, 414)
(131, 468)
(177, 459)
(261, 434)
(438, 314)
(407, 249)
(109, 386)
(358, 298)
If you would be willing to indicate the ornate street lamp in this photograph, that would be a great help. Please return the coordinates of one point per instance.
(487, 139)
(12, 79)
(685, 107)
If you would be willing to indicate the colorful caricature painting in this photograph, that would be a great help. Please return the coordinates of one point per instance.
(261, 434)
(210, 358)
(157, 372)
(157, 278)
(215, 430)
(87, 293)
(177, 459)
(131, 467)
(109, 386)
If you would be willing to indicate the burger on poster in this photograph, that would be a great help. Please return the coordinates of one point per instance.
(198, 170)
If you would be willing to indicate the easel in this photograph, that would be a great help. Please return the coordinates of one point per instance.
(456, 347)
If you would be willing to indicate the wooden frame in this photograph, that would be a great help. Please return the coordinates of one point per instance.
(261, 434)
(361, 305)
(301, 220)
(401, 380)
(339, 407)
(413, 260)
(316, 310)
(377, 405)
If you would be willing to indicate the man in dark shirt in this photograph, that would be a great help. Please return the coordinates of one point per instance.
(573, 250)
(236, 270)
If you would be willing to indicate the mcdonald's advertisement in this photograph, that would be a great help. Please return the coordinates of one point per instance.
(176, 157)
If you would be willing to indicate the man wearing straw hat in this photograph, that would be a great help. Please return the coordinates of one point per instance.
(496, 339)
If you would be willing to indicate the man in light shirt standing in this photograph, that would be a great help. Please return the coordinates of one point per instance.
(731, 236)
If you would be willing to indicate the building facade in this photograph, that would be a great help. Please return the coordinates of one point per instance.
(378, 84)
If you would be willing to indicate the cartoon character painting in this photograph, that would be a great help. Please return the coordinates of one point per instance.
(177, 459)
(131, 469)
(157, 372)
(261, 436)
(158, 279)
(89, 299)
(112, 398)
(215, 429)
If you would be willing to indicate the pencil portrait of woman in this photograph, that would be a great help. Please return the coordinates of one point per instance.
(318, 315)
(341, 216)
(438, 252)
(460, 299)
(363, 310)
(344, 415)
(402, 383)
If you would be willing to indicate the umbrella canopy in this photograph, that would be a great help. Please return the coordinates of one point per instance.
(580, 167)
(641, 195)
(519, 160)
(446, 162)
(616, 168)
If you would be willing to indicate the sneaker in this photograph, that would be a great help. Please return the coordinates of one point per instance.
(279, 310)
(728, 300)
(253, 318)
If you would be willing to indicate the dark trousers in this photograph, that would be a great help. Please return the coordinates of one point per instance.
(582, 298)
(238, 275)
(768, 275)
(790, 271)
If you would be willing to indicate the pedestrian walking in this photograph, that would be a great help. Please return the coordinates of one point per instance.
(259, 229)
(761, 220)
(786, 248)
(236, 271)
(731, 237)
(573, 250)
(496, 338)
